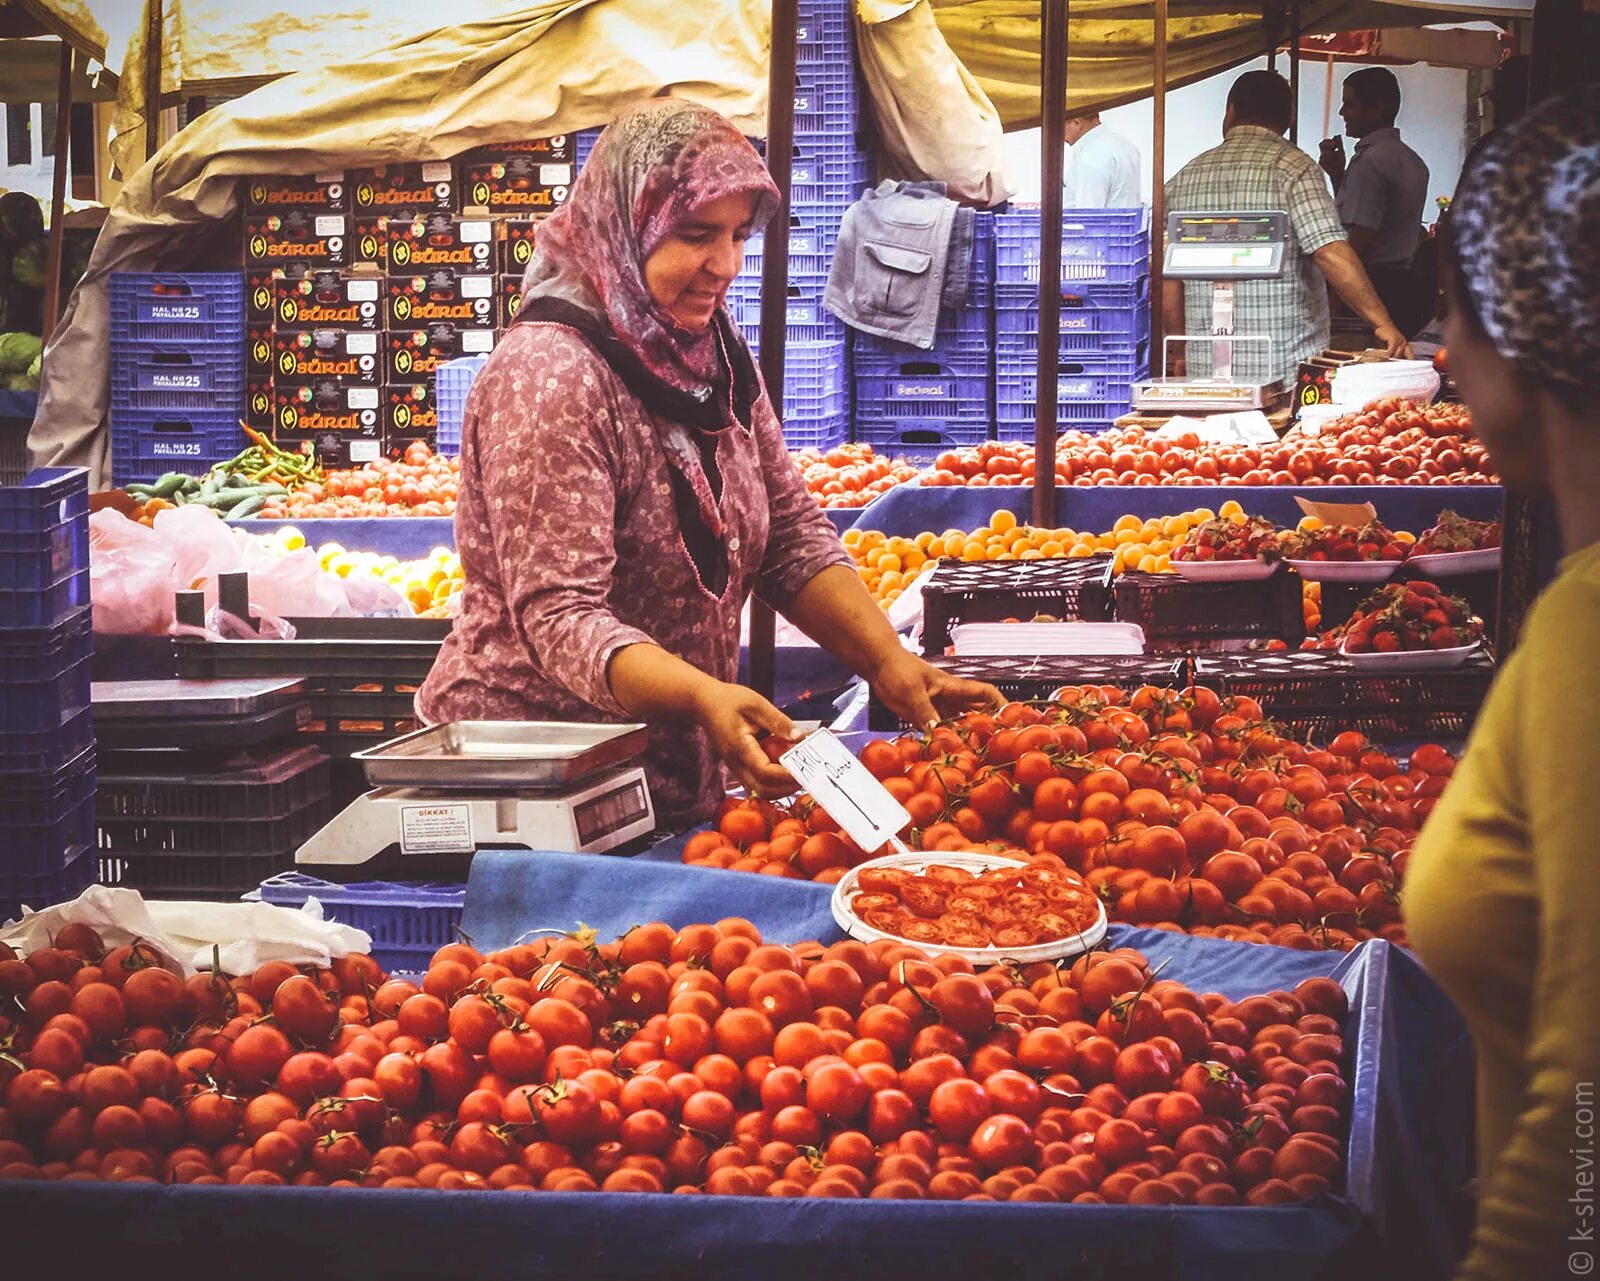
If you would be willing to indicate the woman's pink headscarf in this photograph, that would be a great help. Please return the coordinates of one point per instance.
(652, 167)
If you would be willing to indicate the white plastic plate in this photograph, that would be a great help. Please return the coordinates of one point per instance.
(1413, 660)
(972, 861)
(1449, 564)
(1226, 571)
(1346, 571)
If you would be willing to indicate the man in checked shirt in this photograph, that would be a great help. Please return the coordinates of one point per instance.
(1256, 169)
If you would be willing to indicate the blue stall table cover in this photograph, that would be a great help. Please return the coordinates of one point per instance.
(1410, 1085)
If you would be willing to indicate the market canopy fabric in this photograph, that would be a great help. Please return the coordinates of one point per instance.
(31, 32)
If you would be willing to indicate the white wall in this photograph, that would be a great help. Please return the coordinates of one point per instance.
(35, 177)
(1433, 117)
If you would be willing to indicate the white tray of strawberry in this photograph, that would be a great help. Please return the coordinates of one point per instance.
(1368, 553)
(1229, 551)
(1411, 627)
(1457, 545)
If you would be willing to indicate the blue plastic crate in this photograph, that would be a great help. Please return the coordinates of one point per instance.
(1109, 246)
(811, 242)
(170, 376)
(45, 675)
(44, 817)
(915, 390)
(824, 33)
(407, 923)
(78, 871)
(44, 606)
(826, 89)
(1089, 324)
(583, 143)
(452, 382)
(963, 340)
(1093, 390)
(816, 433)
(44, 751)
(920, 439)
(145, 443)
(47, 496)
(808, 320)
(816, 381)
(205, 306)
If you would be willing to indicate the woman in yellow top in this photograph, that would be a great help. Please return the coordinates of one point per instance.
(1503, 897)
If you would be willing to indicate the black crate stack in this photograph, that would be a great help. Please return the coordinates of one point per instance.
(47, 747)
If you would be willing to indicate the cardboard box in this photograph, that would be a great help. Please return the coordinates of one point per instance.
(517, 237)
(342, 423)
(258, 402)
(464, 299)
(517, 178)
(258, 351)
(367, 244)
(510, 299)
(328, 300)
(313, 193)
(258, 295)
(403, 191)
(1314, 383)
(413, 356)
(296, 241)
(431, 241)
(410, 413)
(307, 357)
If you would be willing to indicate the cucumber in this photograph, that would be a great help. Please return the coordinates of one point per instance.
(248, 507)
(168, 485)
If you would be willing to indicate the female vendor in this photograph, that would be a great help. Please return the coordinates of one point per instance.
(625, 486)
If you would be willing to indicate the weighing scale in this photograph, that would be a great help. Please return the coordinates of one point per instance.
(442, 793)
(1223, 248)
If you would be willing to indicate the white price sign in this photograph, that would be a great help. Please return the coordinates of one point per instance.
(846, 790)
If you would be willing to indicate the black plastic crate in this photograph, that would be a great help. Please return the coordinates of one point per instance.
(356, 687)
(1178, 614)
(37, 752)
(1035, 679)
(77, 873)
(191, 874)
(993, 591)
(175, 786)
(1315, 693)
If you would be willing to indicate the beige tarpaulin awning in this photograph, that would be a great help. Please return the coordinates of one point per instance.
(30, 53)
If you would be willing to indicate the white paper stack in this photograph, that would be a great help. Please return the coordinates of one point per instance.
(990, 640)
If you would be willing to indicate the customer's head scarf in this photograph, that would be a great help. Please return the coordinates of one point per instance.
(1526, 227)
(652, 168)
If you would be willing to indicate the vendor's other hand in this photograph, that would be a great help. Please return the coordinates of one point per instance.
(1331, 157)
(922, 695)
(1393, 341)
(736, 718)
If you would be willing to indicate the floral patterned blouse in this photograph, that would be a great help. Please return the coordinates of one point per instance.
(572, 548)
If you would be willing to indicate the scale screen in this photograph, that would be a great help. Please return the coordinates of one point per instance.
(610, 812)
(1225, 246)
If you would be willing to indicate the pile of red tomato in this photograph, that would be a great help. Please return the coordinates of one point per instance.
(849, 476)
(1391, 442)
(696, 1060)
(421, 483)
(1182, 810)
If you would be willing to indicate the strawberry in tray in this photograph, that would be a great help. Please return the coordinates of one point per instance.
(1407, 617)
(1455, 533)
(1251, 538)
(1313, 540)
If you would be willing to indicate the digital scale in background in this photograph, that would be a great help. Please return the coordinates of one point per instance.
(441, 794)
(1223, 248)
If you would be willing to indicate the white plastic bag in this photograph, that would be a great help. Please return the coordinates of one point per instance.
(244, 936)
(1356, 386)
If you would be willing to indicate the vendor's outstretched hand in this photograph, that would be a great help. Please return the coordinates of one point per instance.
(1393, 341)
(922, 694)
(735, 718)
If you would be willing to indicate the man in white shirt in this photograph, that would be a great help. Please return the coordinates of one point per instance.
(1105, 167)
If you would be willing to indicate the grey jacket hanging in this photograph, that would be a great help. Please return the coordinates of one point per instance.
(904, 250)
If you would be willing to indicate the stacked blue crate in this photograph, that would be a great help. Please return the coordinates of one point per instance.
(910, 399)
(47, 758)
(583, 143)
(177, 371)
(827, 175)
(1105, 317)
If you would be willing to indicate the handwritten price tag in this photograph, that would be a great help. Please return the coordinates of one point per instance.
(846, 790)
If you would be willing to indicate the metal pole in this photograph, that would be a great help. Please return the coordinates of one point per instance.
(152, 78)
(775, 287)
(1158, 189)
(1294, 71)
(58, 190)
(1053, 109)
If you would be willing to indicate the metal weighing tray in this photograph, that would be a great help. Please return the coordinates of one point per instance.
(501, 755)
(168, 700)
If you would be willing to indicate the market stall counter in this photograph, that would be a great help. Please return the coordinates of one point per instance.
(1410, 1078)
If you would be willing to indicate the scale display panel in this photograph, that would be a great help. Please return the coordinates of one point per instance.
(610, 812)
(1226, 246)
